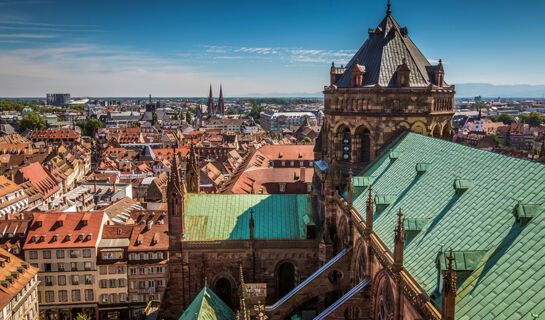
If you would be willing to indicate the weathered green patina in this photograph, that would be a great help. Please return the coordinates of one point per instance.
(227, 216)
(208, 306)
(468, 198)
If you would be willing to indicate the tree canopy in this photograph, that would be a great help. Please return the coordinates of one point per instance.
(532, 118)
(89, 127)
(504, 117)
(32, 121)
(255, 112)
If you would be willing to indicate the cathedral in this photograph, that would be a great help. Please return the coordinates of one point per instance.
(402, 223)
(215, 108)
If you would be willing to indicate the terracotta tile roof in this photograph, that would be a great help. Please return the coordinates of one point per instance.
(16, 273)
(77, 230)
(13, 233)
(40, 179)
(51, 134)
(287, 152)
(117, 231)
(166, 154)
(145, 238)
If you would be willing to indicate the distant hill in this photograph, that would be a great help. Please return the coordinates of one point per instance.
(471, 90)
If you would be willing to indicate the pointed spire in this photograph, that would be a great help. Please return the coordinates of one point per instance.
(350, 195)
(399, 243)
(252, 224)
(389, 8)
(369, 212)
(449, 289)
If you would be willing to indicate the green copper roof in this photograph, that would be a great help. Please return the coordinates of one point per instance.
(227, 216)
(508, 282)
(208, 306)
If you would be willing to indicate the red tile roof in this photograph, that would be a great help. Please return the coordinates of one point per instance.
(40, 179)
(78, 230)
(49, 134)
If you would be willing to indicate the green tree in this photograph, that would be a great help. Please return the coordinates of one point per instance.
(90, 127)
(255, 112)
(495, 139)
(188, 118)
(532, 118)
(307, 140)
(32, 121)
(505, 118)
(175, 116)
(154, 118)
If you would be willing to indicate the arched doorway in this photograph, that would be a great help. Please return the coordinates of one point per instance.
(285, 278)
(223, 290)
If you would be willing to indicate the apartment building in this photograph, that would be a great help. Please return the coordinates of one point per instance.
(112, 272)
(18, 288)
(12, 197)
(63, 246)
(147, 258)
(278, 121)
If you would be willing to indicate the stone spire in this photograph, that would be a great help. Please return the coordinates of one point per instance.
(252, 224)
(350, 195)
(388, 8)
(193, 171)
(449, 290)
(221, 104)
(399, 242)
(369, 212)
(210, 103)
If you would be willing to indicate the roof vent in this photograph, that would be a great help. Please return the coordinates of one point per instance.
(413, 226)
(394, 155)
(422, 167)
(525, 212)
(461, 185)
(464, 264)
(383, 201)
(363, 182)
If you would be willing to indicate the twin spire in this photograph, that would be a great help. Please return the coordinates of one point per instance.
(215, 108)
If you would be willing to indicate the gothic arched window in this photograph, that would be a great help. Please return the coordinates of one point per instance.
(343, 144)
(362, 145)
(384, 305)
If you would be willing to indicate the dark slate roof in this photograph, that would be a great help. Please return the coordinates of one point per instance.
(383, 52)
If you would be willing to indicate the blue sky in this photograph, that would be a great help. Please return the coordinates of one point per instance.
(176, 48)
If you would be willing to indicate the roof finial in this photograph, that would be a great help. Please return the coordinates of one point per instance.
(389, 10)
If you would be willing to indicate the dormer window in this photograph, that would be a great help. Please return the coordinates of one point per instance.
(84, 222)
(33, 239)
(42, 238)
(80, 237)
(67, 238)
(402, 74)
(54, 238)
(89, 236)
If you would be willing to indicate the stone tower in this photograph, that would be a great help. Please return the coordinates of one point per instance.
(193, 172)
(221, 104)
(386, 88)
(178, 285)
(211, 106)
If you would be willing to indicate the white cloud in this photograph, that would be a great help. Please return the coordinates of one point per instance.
(27, 35)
